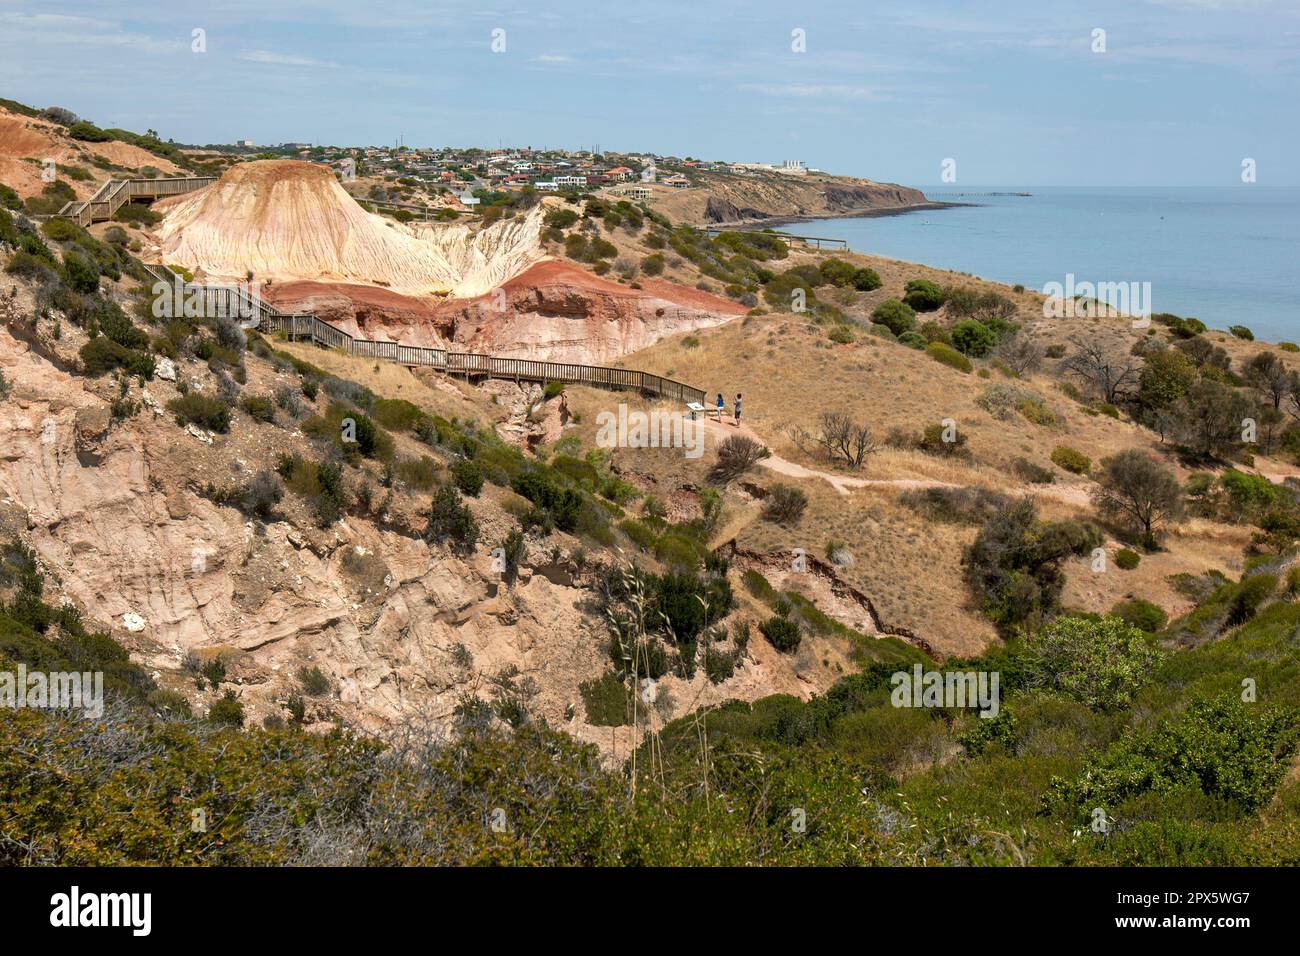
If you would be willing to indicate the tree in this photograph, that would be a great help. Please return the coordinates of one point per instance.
(1268, 375)
(1134, 488)
(1111, 375)
(1209, 418)
(1165, 378)
(1020, 354)
(844, 440)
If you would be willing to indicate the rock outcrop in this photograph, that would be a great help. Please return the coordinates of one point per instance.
(285, 220)
(553, 310)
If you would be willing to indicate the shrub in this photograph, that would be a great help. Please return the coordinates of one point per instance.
(314, 681)
(719, 665)
(1032, 473)
(1141, 614)
(80, 271)
(896, 316)
(137, 214)
(781, 634)
(1100, 662)
(866, 280)
(1013, 565)
(972, 337)
(1072, 461)
(199, 409)
(1126, 559)
(913, 340)
(101, 354)
(923, 295)
(1241, 332)
(259, 407)
(785, 505)
(228, 711)
(948, 356)
(468, 477)
(450, 519)
(840, 335)
(1288, 346)
(262, 493)
(605, 700)
(736, 455)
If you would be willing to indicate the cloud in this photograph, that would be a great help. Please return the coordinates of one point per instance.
(830, 91)
(282, 59)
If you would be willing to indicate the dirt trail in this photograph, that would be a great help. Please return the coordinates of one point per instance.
(1069, 494)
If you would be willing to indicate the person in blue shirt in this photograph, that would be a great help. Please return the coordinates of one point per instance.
(721, 406)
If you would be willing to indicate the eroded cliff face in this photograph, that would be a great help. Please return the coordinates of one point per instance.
(115, 513)
(285, 220)
(553, 310)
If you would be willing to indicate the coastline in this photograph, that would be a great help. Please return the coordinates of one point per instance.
(874, 212)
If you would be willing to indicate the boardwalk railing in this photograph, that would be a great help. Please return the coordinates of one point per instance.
(115, 193)
(307, 326)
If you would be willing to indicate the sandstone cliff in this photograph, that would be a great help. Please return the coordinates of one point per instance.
(287, 220)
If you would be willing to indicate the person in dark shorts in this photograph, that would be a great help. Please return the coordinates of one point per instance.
(737, 421)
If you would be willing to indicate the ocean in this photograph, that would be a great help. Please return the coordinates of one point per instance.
(1228, 256)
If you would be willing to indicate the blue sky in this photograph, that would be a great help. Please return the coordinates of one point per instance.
(1011, 90)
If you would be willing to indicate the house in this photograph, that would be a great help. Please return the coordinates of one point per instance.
(637, 192)
(570, 181)
(677, 182)
(546, 186)
(619, 173)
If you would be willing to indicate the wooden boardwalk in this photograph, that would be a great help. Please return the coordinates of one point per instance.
(116, 193)
(258, 313)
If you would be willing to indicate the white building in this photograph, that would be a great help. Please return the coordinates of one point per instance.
(565, 181)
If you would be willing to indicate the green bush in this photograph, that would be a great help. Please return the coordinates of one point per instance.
(840, 335)
(1126, 559)
(866, 280)
(101, 354)
(1071, 460)
(972, 337)
(837, 272)
(1141, 614)
(605, 700)
(88, 132)
(896, 316)
(923, 295)
(196, 408)
(781, 634)
(258, 407)
(468, 477)
(949, 356)
(1100, 662)
(1241, 332)
(450, 519)
(81, 272)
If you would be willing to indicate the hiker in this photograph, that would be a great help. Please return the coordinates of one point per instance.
(737, 421)
(720, 406)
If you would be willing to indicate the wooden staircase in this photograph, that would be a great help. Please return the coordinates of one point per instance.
(116, 193)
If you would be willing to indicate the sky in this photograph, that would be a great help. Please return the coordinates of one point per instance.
(1013, 93)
